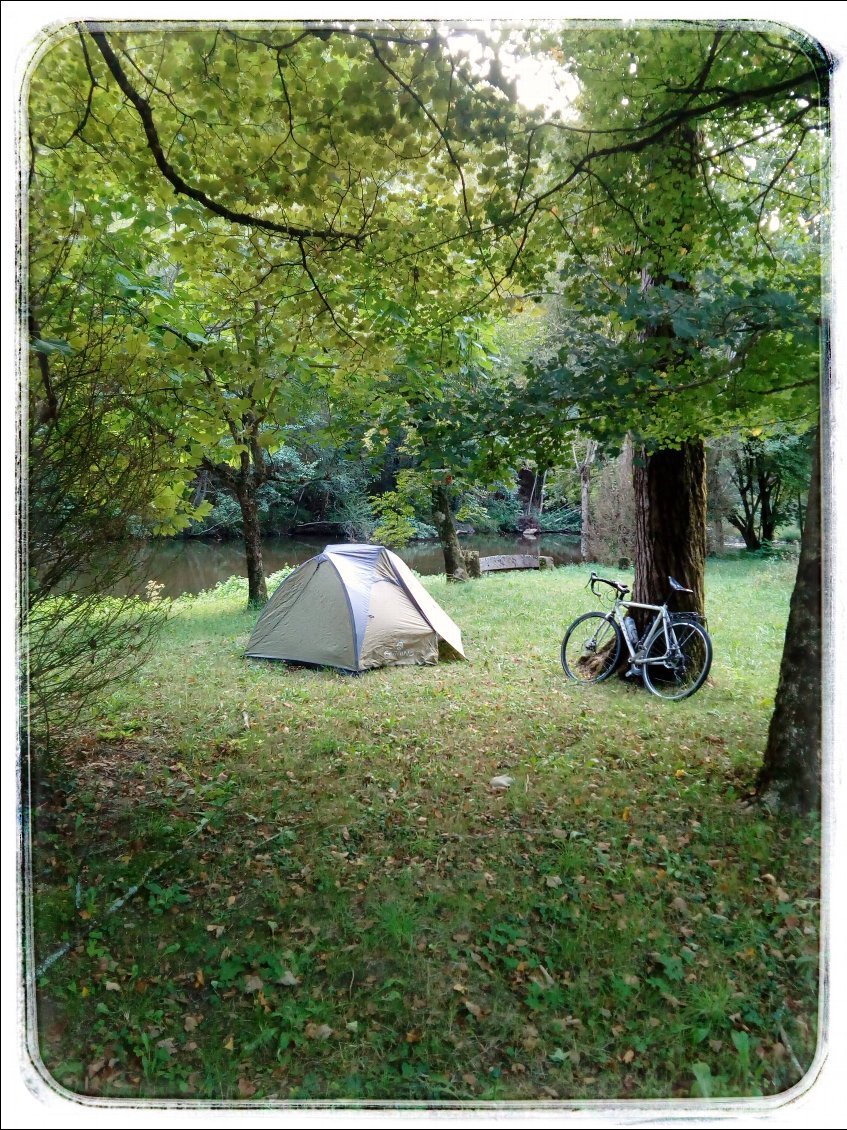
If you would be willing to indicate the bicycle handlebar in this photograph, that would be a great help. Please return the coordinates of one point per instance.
(621, 590)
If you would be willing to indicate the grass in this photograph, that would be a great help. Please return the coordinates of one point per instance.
(340, 906)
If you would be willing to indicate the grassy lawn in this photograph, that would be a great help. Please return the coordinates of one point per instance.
(341, 906)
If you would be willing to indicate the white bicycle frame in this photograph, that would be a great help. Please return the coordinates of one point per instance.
(661, 623)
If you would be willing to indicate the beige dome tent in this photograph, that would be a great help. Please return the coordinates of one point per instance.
(353, 607)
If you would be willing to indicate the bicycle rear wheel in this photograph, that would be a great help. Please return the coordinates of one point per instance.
(591, 648)
(676, 673)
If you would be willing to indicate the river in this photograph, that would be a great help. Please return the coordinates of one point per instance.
(190, 566)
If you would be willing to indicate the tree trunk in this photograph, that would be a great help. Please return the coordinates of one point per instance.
(720, 537)
(442, 518)
(584, 467)
(790, 776)
(530, 492)
(769, 507)
(670, 525)
(257, 589)
(584, 510)
(747, 528)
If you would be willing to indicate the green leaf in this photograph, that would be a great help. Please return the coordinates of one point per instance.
(44, 345)
(703, 1084)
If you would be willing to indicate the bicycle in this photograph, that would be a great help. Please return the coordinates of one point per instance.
(673, 656)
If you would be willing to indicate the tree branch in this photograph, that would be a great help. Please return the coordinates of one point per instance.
(181, 186)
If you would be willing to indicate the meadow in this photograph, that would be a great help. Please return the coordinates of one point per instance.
(259, 882)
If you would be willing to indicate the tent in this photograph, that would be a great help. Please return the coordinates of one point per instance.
(353, 607)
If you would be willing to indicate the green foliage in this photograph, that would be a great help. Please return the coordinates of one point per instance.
(78, 643)
(760, 480)
(396, 510)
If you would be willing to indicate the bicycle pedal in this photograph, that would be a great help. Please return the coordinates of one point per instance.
(632, 673)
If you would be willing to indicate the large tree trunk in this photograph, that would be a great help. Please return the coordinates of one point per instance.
(670, 525)
(790, 776)
(442, 517)
(257, 589)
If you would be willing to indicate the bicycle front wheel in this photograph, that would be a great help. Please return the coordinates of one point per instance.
(679, 670)
(591, 648)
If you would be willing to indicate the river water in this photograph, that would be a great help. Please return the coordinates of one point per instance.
(191, 566)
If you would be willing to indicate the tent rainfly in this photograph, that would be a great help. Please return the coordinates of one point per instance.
(353, 607)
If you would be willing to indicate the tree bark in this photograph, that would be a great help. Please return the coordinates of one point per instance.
(257, 589)
(442, 518)
(790, 776)
(670, 525)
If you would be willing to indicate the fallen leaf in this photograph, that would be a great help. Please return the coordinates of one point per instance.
(413, 1036)
(112, 987)
(318, 1032)
(246, 1088)
(473, 1009)
(471, 1080)
(191, 1022)
(553, 881)
(215, 929)
(628, 1056)
(253, 984)
(680, 904)
(229, 1044)
(199, 979)
(782, 895)
(288, 978)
